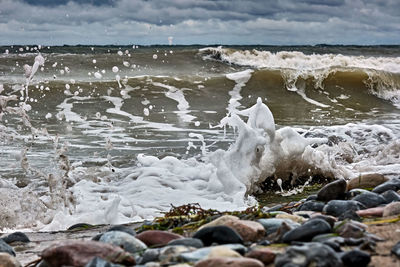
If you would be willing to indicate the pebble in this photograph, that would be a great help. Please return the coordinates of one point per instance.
(4, 247)
(189, 242)
(370, 199)
(312, 205)
(99, 262)
(371, 212)
(264, 255)
(248, 230)
(6, 260)
(79, 226)
(333, 190)
(124, 240)
(391, 209)
(16, 237)
(310, 254)
(79, 253)
(366, 181)
(356, 258)
(151, 254)
(231, 262)
(339, 207)
(223, 251)
(218, 234)
(390, 196)
(351, 230)
(220, 221)
(393, 184)
(329, 219)
(396, 250)
(307, 231)
(122, 228)
(291, 217)
(170, 254)
(156, 237)
(272, 224)
(203, 253)
(277, 236)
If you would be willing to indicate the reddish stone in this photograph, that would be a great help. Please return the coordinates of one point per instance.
(372, 212)
(78, 253)
(248, 230)
(229, 262)
(157, 238)
(264, 255)
(392, 209)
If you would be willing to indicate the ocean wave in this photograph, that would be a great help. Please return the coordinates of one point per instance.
(381, 75)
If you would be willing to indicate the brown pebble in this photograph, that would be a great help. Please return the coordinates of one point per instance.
(153, 238)
(231, 262)
(264, 255)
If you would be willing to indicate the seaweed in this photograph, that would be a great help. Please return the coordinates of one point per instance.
(186, 219)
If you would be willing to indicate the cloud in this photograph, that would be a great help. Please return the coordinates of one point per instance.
(199, 21)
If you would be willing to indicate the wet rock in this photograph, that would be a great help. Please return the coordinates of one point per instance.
(307, 231)
(277, 236)
(170, 254)
(325, 237)
(151, 254)
(370, 199)
(396, 250)
(249, 231)
(356, 258)
(16, 237)
(218, 234)
(223, 251)
(264, 255)
(156, 238)
(333, 190)
(339, 207)
(79, 253)
(272, 224)
(123, 240)
(312, 205)
(349, 214)
(99, 262)
(372, 212)
(393, 184)
(6, 260)
(391, 209)
(4, 247)
(189, 242)
(355, 192)
(79, 226)
(333, 245)
(390, 196)
(329, 219)
(231, 262)
(220, 221)
(311, 197)
(366, 181)
(351, 230)
(122, 228)
(291, 217)
(202, 253)
(310, 254)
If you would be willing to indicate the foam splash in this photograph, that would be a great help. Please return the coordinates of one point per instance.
(222, 179)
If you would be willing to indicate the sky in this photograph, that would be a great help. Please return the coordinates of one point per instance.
(145, 22)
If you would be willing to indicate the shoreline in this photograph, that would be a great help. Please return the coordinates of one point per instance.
(368, 231)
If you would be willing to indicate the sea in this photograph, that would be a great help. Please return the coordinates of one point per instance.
(117, 134)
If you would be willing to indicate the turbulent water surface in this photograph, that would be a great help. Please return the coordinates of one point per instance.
(117, 134)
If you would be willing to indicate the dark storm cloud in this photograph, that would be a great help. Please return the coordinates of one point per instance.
(200, 21)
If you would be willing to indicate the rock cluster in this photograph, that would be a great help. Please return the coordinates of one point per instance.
(322, 230)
